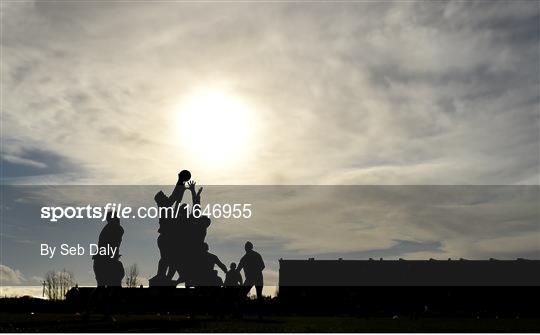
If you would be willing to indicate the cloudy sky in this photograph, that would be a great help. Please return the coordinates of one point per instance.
(350, 93)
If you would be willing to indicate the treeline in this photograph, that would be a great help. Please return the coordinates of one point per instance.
(56, 284)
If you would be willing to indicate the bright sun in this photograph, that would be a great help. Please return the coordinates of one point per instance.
(215, 126)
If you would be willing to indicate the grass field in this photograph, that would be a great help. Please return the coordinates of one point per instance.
(11, 322)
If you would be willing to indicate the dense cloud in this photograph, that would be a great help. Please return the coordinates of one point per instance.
(355, 93)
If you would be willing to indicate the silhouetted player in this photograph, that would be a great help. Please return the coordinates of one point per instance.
(208, 261)
(109, 271)
(233, 277)
(167, 239)
(253, 265)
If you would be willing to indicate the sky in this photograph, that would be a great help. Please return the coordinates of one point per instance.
(349, 93)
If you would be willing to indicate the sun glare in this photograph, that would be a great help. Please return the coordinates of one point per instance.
(215, 126)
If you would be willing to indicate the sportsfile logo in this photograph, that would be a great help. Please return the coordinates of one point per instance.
(226, 211)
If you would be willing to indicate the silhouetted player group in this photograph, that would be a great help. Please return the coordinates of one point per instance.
(182, 247)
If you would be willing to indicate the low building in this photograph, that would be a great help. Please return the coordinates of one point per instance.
(461, 272)
(411, 287)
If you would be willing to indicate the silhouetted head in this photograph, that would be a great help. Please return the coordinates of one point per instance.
(233, 266)
(205, 246)
(160, 198)
(248, 246)
(184, 175)
(112, 217)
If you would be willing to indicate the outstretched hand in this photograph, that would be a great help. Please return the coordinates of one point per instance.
(191, 185)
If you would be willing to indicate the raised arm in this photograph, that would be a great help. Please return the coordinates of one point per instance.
(196, 196)
(221, 265)
(178, 192)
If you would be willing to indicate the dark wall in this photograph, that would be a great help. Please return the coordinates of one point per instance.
(409, 273)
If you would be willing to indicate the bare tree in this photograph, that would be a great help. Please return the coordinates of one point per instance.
(58, 283)
(132, 277)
